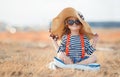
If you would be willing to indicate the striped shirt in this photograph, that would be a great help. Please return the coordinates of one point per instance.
(75, 48)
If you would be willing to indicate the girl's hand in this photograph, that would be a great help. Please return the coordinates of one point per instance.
(54, 37)
(95, 39)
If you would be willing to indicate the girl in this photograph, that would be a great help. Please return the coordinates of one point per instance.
(69, 26)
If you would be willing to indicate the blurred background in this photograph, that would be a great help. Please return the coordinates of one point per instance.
(25, 45)
(37, 14)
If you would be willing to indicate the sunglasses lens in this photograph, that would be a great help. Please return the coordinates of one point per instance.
(70, 22)
(77, 22)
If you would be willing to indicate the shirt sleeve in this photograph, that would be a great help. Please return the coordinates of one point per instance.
(88, 48)
(63, 44)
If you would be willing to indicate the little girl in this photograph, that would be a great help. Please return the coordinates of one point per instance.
(69, 26)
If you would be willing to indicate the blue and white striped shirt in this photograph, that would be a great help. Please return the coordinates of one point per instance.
(75, 46)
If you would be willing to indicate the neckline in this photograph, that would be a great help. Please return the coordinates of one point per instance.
(74, 35)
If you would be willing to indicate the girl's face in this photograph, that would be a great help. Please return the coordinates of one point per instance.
(73, 24)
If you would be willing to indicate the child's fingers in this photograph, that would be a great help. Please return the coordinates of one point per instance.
(55, 37)
(96, 36)
(95, 39)
(52, 36)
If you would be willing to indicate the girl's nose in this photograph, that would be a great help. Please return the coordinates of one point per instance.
(74, 24)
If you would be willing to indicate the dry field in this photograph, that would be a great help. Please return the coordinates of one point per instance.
(28, 55)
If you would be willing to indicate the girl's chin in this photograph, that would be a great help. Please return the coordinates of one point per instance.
(75, 29)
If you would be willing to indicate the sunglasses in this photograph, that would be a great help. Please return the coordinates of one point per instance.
(71, 22)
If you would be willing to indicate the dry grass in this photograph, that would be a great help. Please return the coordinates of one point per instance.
(24, 55)
(17, 60)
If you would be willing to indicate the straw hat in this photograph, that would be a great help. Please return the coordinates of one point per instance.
(57, 25)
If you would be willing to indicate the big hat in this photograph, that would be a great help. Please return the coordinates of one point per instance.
(57, 25)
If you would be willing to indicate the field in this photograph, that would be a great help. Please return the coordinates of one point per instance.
(27, 54)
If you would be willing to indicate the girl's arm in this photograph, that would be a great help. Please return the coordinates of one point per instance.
(91, 48)
(55, 44)
(54, 41)
(95, 39)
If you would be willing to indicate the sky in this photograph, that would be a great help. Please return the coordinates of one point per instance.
(32, 12)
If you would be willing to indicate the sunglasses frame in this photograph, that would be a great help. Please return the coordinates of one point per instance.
(71, 22)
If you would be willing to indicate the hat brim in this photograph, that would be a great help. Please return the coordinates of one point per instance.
(57, 26)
